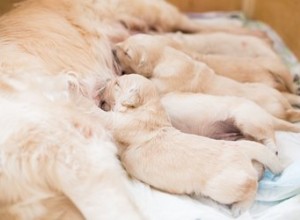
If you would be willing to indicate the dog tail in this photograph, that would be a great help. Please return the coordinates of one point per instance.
(281, 125)
(262, 154)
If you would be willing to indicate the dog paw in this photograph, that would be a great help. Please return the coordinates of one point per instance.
(237, 210)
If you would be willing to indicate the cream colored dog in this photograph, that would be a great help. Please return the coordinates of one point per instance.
(242, 58)
(223, 117)
(56, 161)
(154, 152)
(220, 43)
(172, 70)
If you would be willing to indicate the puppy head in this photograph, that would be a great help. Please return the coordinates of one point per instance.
(138, 54)
(127, 92)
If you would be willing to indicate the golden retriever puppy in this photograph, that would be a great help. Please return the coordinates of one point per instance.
(156, 153)
(56, 161)
(269, 71)
(223, 117)
(221, 43)
(242, 58)
(172, 70)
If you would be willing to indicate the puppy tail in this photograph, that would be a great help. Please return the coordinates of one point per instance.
(262, 154)
(281, 125)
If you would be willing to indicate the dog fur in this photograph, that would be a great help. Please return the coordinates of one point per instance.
(58, 36)
(224, 117)
(220, 43)
(66, 38)
(242, 58)
(154, 152)
(56, 161)
(172, 70)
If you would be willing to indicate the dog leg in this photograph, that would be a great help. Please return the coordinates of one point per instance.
(238, 190)
(260, 128)
(270, 143)
(238, 208)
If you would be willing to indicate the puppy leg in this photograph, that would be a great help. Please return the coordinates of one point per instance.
(238, 208)
(239, 189)
(259, 127)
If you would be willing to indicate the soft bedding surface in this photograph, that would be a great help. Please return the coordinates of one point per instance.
(278, 197)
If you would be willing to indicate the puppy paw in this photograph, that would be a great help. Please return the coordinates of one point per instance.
(271, 145)
(237, 210)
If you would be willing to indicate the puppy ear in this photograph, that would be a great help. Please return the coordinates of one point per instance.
(131, 98)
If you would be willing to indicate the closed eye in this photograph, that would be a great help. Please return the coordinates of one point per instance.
(126, 52)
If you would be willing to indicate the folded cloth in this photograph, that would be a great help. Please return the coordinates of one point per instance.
(278, 188)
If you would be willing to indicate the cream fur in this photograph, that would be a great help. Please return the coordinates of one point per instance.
(200, 113)
(172, 70)
(220, 43)
(242, 58)
(154, 152)
(58, 36)
(56, 161)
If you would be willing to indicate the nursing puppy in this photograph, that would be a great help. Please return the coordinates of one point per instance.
(220, 43)
(223, 117)
(56, 161)
(172, 70)
(269, 71)
(156, 153)
(242, 58)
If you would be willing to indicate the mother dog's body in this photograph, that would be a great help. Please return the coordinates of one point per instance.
(76, 36)
(56, 161)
